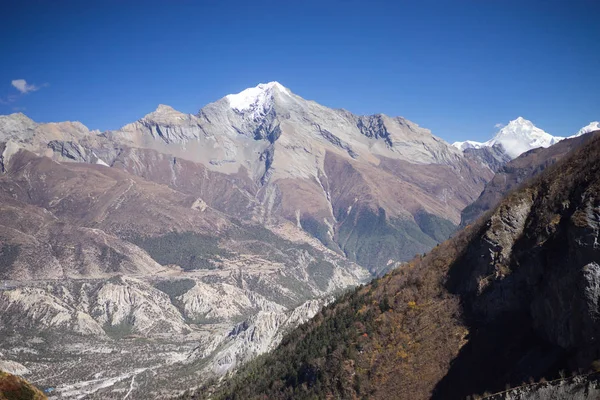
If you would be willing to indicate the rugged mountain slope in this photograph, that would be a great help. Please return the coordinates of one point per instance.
(516, 172)
(576, 387)
(292, 158)
(96, 262)
(266, 154)
(511, 297)
(494, 157)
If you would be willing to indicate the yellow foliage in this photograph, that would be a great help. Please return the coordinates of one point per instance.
(362, 310)
(402, 354)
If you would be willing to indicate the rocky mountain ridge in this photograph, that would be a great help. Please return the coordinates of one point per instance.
(267, 154)
(179, 246)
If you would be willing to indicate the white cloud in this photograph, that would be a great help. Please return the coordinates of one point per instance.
(499, 126)
(22, 86)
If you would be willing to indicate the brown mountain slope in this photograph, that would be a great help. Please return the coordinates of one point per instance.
(512, 297)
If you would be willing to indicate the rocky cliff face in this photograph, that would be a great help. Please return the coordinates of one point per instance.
(494, 157)
(512, 298)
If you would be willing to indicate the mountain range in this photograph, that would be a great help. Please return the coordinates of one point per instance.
(150, 258)
(274, 155)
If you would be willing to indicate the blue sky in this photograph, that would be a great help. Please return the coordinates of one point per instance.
(456, 67)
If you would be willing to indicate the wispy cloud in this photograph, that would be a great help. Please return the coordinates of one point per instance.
(499, 125)
(22, 86)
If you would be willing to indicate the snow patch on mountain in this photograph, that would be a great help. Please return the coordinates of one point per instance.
(468, 144)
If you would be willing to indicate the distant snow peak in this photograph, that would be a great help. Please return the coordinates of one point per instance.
(468, 144)
(517, 137)
(592, 126)
(257, 100)
(521, 135)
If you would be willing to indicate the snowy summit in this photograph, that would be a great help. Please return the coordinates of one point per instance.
(519, 136)
(592, 126)
(256, 100)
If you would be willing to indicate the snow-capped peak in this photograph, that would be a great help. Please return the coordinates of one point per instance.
(592, 126)
(518, 136)
(255, 100)
(521, 135)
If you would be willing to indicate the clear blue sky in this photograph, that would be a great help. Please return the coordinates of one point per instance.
(456, 67)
